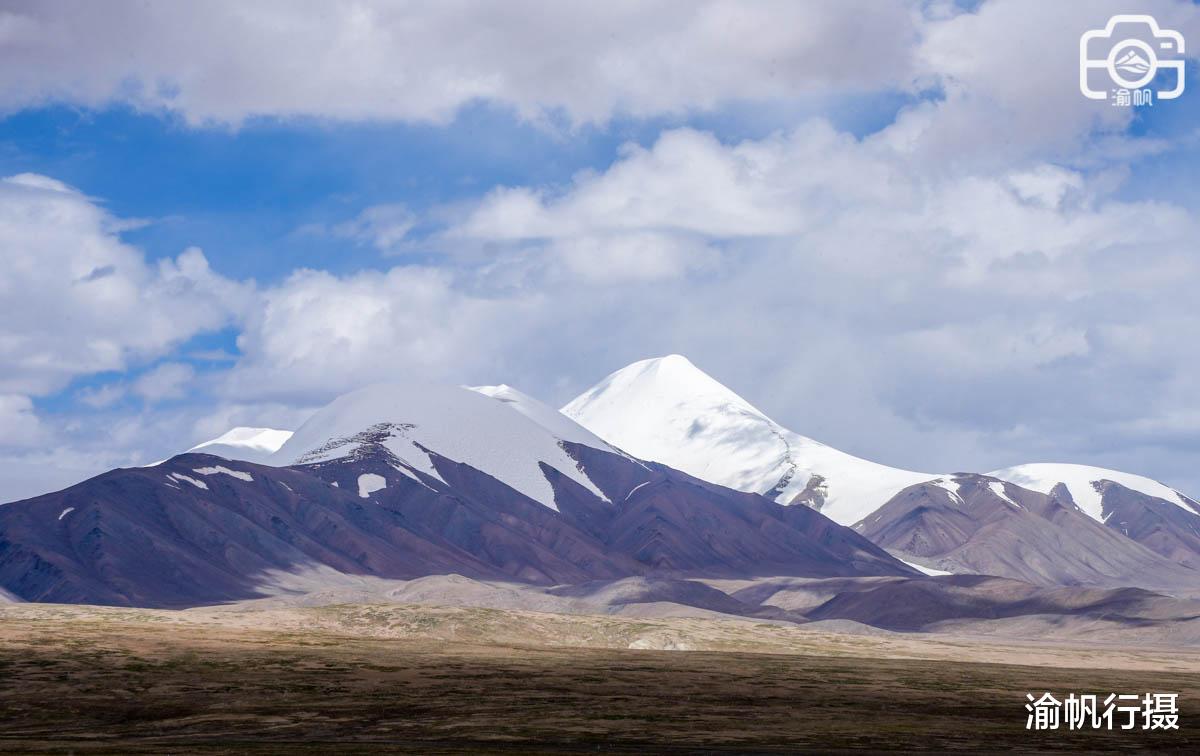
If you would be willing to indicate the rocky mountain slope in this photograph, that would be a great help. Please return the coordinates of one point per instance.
(978, 524)
(1158, 517)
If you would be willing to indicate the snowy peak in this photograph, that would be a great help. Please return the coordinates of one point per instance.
(668, 410)
(247, 444)
(1086, 485)
(654, 381)
(413, 421)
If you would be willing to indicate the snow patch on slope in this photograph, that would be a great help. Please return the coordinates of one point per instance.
(668, 410)
(927, 570)
(193, 481)
(950, 486)
(1081, 481)
(457, 423)
(997, 488)
(222, 470)
(369, 483)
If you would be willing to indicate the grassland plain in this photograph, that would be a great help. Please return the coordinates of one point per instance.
(366, 678)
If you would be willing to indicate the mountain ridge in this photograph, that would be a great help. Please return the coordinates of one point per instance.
(402, 482)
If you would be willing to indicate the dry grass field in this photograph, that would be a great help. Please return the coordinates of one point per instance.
(446, 680)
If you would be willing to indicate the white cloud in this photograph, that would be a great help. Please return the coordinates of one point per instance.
(690, 182)
(170, 380)
(318, 334)
(1009, 75)
(382, 226)
(1047, 185)
(1006, 72)
(21, 425)
(635, 256)
(99, 397)
(875, 210)
(227, 60)
(78, 301)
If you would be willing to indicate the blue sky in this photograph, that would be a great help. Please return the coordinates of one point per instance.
(878, 223)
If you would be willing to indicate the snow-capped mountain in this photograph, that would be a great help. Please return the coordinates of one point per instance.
(1155, 515)
(248, 444)
(979, 524)
(1086, 485)
(469, 427)
(402, 481)
(668, 410)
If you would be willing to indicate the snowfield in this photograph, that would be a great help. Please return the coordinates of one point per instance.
(247, 444)
(549, 418)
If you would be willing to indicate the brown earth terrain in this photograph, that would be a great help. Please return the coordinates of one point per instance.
(365, 678)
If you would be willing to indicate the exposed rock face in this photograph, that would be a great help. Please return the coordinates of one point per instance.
(813, 494)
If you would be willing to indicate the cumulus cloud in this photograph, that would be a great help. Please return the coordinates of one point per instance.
(317, 333)
(78, 301)
(1007, 68)
(21, 425)
(226, 61)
